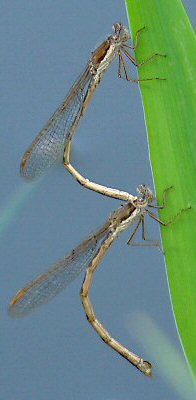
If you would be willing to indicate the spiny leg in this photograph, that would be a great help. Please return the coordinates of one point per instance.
(146, 61)
(128, 77)
(164, 205)
(143, 366)
(149, 242)
(149, 59)
(154, 216)
(135, 230)
(137, 37)
(122, 63)
(143, 229)
(133, 60)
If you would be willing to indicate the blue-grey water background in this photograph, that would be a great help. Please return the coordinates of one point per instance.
(54, 353)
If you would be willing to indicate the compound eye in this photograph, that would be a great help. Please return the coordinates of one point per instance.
(141, 189)
(117, 27)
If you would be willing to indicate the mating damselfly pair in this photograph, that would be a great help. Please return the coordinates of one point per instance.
(53, 144)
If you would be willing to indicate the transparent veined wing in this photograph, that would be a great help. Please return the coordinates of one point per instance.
(42, 289)
(48, 147)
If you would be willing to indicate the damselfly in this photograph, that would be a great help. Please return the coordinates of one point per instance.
(88, 255)
(49, 146)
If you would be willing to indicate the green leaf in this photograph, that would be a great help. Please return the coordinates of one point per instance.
(171, 123)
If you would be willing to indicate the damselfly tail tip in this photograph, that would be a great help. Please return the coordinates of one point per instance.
(145, 367)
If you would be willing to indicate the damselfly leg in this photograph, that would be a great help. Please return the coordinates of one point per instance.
(157, 219)
(123, 64)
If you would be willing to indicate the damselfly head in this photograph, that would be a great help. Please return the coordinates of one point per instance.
(121, 32)
(145, 194)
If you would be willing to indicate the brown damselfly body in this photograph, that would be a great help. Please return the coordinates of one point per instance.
(53, 143)
(89, 255)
